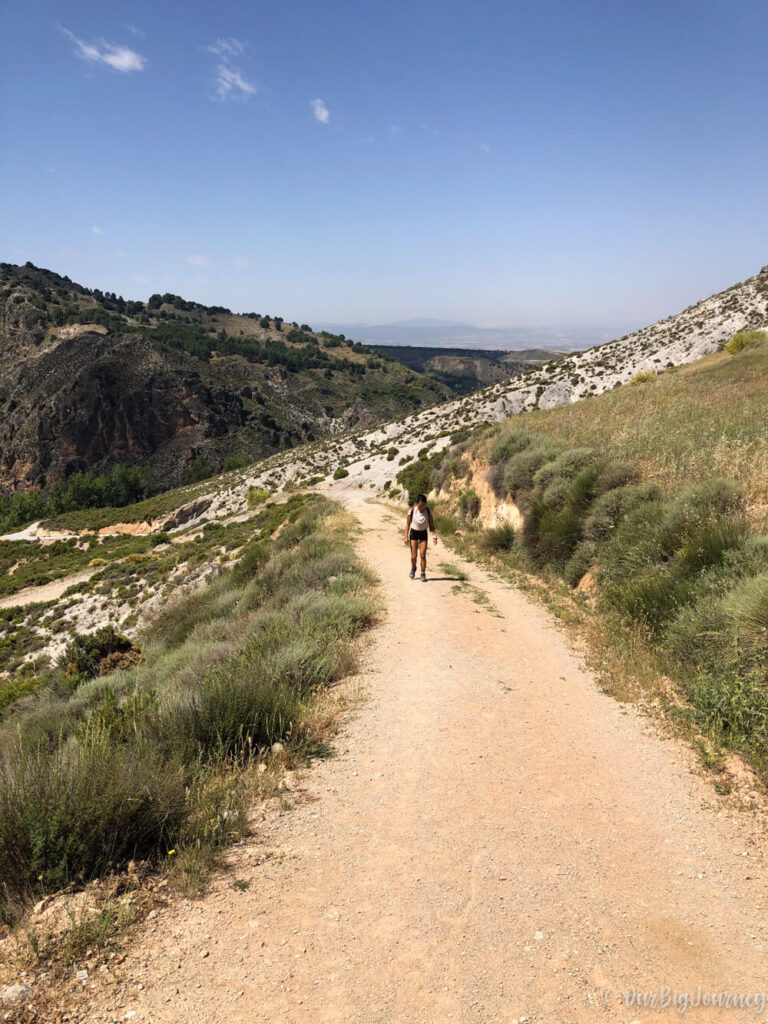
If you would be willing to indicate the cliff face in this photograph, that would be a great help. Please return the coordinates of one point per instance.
(92, 400)
(128, 387)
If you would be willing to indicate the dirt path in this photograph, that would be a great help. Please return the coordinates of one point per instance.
(47, 592)
(496, 840)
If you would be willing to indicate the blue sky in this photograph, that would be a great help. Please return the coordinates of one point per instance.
(504, 163)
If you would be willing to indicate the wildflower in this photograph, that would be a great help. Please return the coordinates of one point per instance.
(171, 853)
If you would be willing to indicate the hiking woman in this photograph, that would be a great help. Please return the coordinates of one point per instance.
(419, 521)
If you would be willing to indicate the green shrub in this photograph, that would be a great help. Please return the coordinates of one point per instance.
(741, 339)
(256, 496)
(253, 558)
(723, 496)
(616, 474)
(419, 477)
(86, 654)
(735, 707)
(199, 469)
(610, 508)
(57, 826)
(469, 505)
(448, 465)
(556, 493)
(553, 520)
(550, 535)
(649, 568)
(177, 620)
(643, 377)
(340, 473)
(565, 466)
(501, 538)
(521, 468)
(235, 462)
(226, 669)
(511, 444)
(582, 559)
(747, 608)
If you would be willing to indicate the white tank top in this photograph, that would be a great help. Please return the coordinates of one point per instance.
(419, 520)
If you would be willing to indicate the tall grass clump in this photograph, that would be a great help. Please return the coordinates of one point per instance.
(521, 468)
(653, 563)
(148, 759)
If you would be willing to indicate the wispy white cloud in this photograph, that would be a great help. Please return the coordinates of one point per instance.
(241, 262)
(227, 47)
(133, 30)
(485, 148)
(197, 260)
(321, 112)
(97, 231)
(230, 83)
(120, 58)
(395, 129)
(119, 254)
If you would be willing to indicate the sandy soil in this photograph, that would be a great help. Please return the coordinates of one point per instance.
(48, 591)
(495, 840)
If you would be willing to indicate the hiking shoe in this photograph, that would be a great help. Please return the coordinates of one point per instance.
(423, 577)
(413, 572)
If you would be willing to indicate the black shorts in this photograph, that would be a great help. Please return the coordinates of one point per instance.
(419, 535)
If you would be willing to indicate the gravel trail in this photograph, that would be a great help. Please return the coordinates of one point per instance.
(495, 841)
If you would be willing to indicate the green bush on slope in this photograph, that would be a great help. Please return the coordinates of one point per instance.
(682, 565)
(225, 672)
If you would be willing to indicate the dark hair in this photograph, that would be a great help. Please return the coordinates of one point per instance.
(421, 497)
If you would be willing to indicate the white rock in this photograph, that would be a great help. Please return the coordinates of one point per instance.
(12, 994)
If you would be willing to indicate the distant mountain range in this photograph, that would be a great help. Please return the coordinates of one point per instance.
(425, 332)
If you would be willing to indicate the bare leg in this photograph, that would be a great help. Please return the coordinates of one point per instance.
(423, 553)
(414, 551)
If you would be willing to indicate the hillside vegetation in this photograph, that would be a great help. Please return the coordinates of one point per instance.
(465, 369)
(89, 380)
(692, 423)
(652, 501)
(169, 725)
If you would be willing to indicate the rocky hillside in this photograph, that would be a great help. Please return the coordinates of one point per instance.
(88, 380)
(113, 563)
(697, 331)
(464, 369)
(372, 458)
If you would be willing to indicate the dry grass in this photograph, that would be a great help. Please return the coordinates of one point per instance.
(708, 419)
